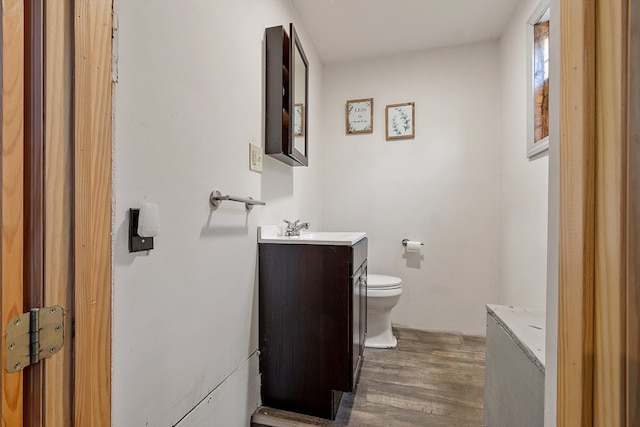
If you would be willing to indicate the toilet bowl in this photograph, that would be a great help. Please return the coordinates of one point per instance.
(383, 293)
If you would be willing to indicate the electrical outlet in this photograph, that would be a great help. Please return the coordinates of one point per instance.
(255, 158)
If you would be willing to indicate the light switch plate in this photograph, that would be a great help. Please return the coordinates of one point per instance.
(255, 158)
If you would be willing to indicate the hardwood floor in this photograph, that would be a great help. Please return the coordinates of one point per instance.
(430, 379)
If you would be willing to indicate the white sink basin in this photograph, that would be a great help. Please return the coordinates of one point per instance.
(275, 234)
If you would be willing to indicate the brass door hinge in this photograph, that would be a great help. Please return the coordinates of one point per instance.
(34, 336)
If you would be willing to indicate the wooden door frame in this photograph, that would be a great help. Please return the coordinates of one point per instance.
(594, 217)
(92, 211)
(599, 206)
(586, 313)
(609, 311)
(89, 206)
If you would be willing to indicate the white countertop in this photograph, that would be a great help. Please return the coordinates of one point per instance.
(526, 327)
(275, 234)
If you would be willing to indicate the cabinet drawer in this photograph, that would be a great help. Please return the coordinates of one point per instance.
(359, 254)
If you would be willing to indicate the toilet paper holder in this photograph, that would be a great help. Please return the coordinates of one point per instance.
(404, 242)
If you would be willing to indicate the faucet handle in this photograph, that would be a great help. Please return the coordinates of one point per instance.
(291, 227)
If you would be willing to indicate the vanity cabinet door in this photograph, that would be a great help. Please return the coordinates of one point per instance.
(355, 325)
(363, 308)
(304, 326)
(312, 321)
(359, 315)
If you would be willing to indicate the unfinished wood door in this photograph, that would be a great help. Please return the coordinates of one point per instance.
(36, 204)
(58, 282)
(12, 198)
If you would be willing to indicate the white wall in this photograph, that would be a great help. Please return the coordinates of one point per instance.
(441, 188)
(523, 182)
(188, 99)
(529, 193)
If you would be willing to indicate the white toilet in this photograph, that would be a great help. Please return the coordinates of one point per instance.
(383, 293)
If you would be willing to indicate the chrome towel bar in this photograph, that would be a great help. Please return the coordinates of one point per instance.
(216, 198)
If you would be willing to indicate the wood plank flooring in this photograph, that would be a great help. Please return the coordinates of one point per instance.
(430, 379)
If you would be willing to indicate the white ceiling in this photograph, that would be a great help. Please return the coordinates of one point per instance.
(344, 30)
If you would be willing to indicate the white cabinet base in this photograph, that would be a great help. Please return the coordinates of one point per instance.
(514, 376)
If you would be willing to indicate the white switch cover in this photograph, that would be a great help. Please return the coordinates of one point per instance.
(255, 158)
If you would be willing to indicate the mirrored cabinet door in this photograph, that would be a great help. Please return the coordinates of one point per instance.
(300, 69)
(287, 97)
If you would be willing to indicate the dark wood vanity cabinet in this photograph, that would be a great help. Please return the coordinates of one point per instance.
(312, 315)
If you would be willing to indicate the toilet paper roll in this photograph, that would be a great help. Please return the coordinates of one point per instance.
(414, 246)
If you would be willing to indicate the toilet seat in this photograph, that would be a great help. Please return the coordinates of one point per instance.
(380, 281)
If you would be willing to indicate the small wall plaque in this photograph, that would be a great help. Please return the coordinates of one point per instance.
(400, 121)
(359, 116)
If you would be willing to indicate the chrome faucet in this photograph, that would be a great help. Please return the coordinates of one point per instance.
(293, 228)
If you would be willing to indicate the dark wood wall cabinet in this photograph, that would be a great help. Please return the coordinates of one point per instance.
(313, 305)
(287, 97)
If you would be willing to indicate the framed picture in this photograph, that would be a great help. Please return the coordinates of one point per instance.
(400, 121)
(298, 120)
(538, 80)
(359, 116)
